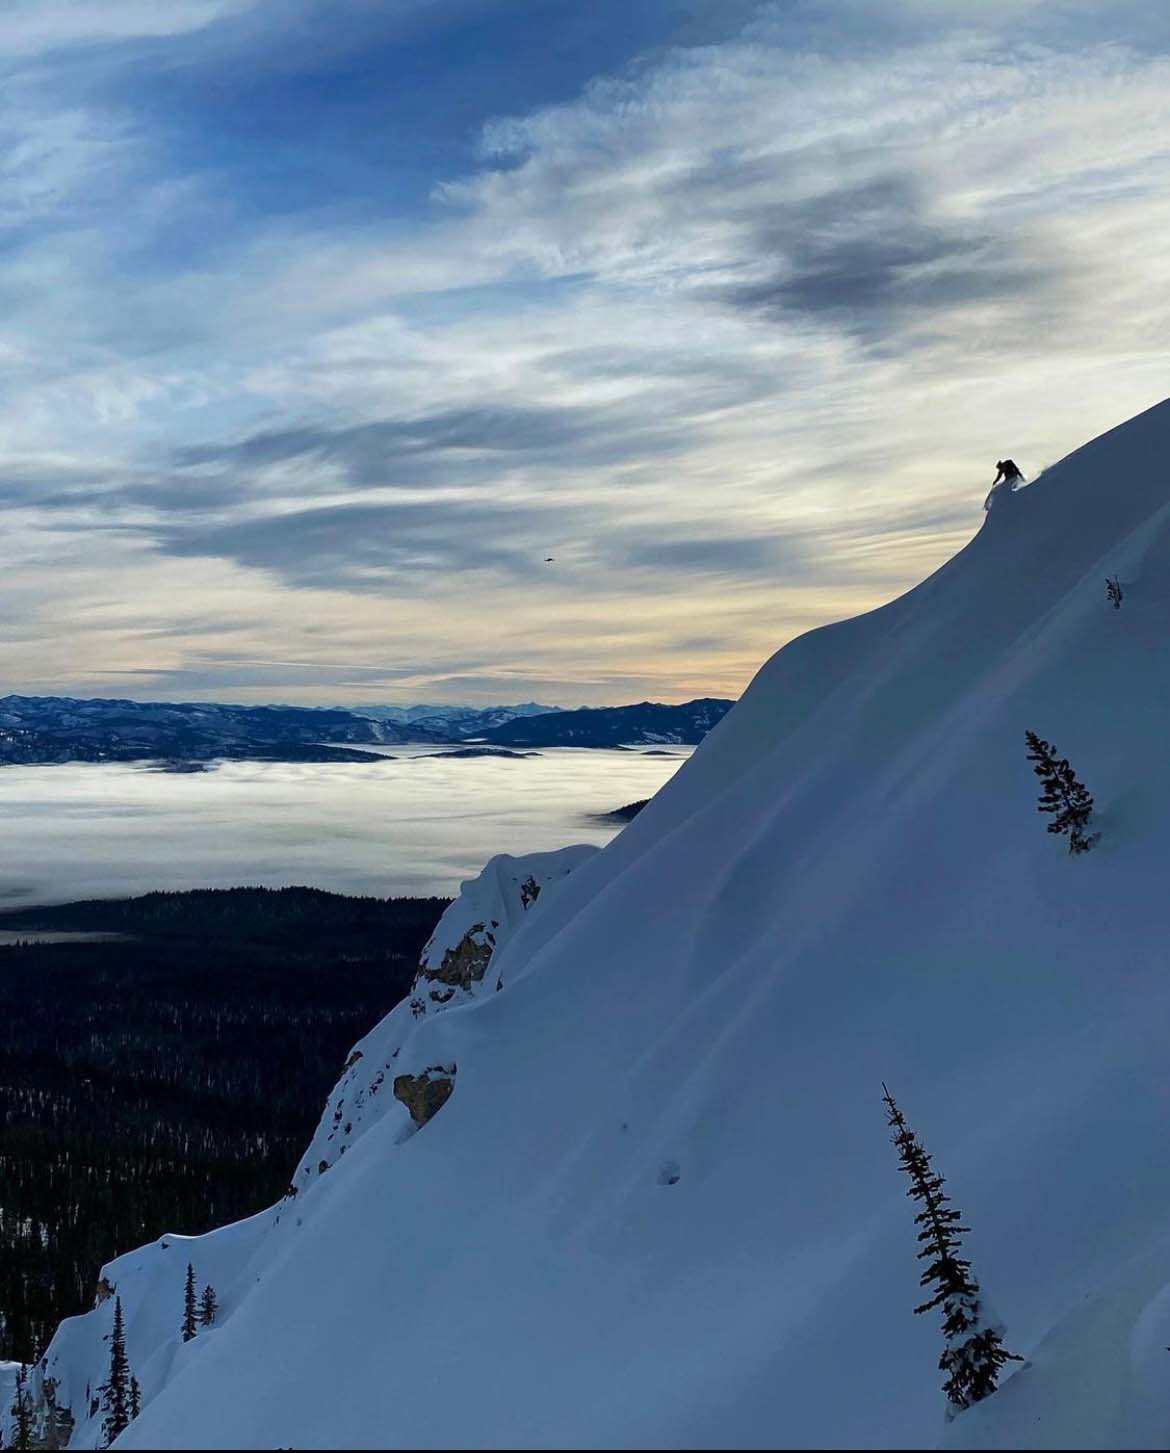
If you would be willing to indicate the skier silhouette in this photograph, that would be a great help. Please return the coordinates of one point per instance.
(1005, 479)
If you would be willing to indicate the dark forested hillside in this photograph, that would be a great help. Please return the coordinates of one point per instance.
(169, 1081)
(614, 726)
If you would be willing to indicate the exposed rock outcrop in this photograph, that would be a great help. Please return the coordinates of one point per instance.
(467, 962)
(425, 1095)
(456, 966)
(54, 1423)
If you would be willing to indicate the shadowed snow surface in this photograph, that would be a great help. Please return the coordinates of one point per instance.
(660, 1208)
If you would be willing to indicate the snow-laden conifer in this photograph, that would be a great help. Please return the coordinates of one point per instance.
(189, 1317)
(1070, 801)
(974, 1351)
(116, 1390)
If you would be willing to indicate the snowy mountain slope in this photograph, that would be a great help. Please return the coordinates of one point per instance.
(659, 1207)
(65, 1384)
(456, 965)
(9, 1372)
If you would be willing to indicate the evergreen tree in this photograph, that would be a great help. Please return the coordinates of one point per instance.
(1068, 800)
(21, 1412)
(189, 1305)
(135, 1398)
(116, 1390)
(1113, 591)
(208, 1306)
(974, 1351)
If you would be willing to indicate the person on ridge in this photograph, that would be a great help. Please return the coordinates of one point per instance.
(1009, 473)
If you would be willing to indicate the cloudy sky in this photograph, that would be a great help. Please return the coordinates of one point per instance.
(324, 322)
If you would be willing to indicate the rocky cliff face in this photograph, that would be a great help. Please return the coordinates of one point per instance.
(456, 967)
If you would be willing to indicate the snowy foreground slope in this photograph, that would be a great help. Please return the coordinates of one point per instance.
(658, 1206)
(458, 963)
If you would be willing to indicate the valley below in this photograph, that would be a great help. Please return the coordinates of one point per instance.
(412, 822)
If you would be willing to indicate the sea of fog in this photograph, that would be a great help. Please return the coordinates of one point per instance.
(417, 824)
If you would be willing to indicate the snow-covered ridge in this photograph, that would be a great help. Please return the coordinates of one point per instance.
(660, 1207)
(458, 965)
(64, 1384)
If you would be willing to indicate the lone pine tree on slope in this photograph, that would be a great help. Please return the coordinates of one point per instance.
(189, 1327)
(208, 1306)
(116, 1390)
(1069, 800)
(974, 1351)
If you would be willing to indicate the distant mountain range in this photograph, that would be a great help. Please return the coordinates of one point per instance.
(440, 723)
(41, 729)
(70, 729)
(614, 726)
(449, 723)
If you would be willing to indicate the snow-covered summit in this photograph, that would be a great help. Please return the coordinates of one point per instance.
(660, 1207)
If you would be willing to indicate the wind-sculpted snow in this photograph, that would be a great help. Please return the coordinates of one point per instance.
(659, 1207)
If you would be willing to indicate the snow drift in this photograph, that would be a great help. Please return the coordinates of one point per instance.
(660, 1207)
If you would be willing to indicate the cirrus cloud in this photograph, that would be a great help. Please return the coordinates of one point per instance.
(732, 328)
